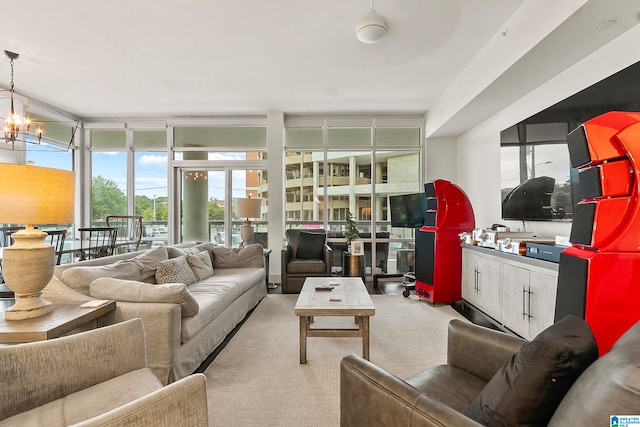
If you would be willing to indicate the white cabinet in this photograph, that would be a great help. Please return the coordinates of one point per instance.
(528, 300)
(481, 283)
(517, 293)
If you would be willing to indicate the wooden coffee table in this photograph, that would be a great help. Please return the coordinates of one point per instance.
(348, 297)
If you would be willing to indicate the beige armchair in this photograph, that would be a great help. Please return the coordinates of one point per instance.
(94, 378)
(306, 254)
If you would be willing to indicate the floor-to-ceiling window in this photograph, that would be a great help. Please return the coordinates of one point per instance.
(341, 167)
(150, 187)
(108, 174)
(129, 177)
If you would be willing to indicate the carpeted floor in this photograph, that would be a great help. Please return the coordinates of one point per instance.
(257, 380)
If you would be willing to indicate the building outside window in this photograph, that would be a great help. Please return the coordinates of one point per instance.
(367, 164)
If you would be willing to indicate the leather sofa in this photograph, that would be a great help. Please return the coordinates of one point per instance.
(94, 378)
(305, 254)
(442, 395)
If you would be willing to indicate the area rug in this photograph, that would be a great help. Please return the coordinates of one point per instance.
(257, 379)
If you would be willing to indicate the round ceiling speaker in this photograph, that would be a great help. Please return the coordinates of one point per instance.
(371, 28)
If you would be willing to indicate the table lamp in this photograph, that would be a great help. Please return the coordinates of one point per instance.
(247, 208)
(32, 195)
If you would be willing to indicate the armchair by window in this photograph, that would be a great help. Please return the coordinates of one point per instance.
(305, 254)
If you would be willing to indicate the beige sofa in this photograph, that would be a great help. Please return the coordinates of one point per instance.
(94, 378)
(183, 323)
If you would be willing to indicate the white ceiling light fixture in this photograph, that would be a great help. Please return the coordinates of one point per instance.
(372, 27)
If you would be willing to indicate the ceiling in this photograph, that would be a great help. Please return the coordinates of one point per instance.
(185, 58)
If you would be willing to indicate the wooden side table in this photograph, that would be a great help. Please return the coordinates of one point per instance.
(65, 317)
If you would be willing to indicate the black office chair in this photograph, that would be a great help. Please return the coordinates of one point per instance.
(97, 242)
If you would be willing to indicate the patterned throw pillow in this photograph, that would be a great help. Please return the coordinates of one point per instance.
(200, 263)
(175, 270)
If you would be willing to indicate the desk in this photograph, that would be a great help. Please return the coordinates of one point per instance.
(65, 317)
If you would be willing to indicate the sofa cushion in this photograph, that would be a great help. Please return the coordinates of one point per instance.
(175, 251)
(529, 387)
(452, 386)
(175, 270)
(90, 402)
(310, 245)
(244, 256)
(610, 386)
(200, 263)
(79, 278)
(306, 266)
(148, 261)
(133, 291)
(216, 293)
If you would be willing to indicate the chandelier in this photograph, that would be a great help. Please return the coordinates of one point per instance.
(22, 129)
(16, 124)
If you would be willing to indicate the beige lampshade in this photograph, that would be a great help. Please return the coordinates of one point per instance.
(248, 208)
(36, 195)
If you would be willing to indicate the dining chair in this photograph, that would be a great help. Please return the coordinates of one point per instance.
(6, 232)
(129, 228)
(56, 239)
(97, 242)
(5, 241)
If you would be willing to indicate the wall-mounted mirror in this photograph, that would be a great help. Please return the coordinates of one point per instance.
(537, 182)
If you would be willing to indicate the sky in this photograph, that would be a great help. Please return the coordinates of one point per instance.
(150, 170)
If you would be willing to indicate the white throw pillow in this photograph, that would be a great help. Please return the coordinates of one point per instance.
(175, 270)
(201, 265)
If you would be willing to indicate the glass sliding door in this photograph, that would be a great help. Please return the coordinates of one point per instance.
(208, 198)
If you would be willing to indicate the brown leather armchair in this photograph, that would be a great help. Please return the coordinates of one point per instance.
(440, 395)
(305, 254)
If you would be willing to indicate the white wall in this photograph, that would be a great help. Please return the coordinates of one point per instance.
(440, 161)
(478, 161)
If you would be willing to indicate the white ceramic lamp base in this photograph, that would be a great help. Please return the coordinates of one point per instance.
(27, 267)
(246, 232)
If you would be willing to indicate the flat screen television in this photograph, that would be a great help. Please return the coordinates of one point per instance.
(408, 210)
